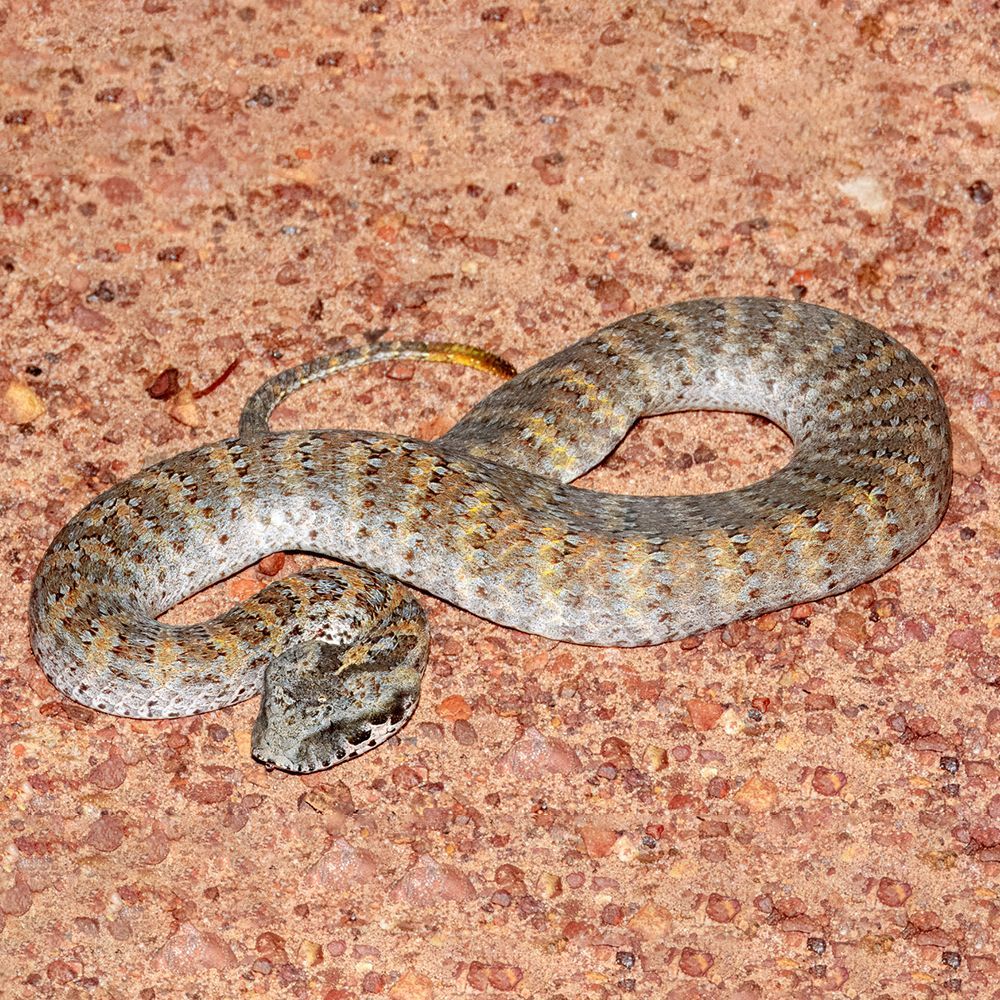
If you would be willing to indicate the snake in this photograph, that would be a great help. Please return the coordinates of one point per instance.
(486, 517)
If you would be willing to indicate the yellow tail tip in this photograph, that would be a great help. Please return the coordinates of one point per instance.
(471, 357)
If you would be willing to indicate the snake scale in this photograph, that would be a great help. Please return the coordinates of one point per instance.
(484, 517)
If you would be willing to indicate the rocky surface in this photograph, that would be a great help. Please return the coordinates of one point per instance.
(197, 194)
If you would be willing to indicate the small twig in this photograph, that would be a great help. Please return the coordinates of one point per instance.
(222, 378)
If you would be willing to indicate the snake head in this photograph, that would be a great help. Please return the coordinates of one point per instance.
(324, 703)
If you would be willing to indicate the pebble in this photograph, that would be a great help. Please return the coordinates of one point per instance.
(342, 867)
(851, 630)
(63, 972)
(184, 408)
(120, 929)
(165, 385)
(967, 457)
(464, 733)
(510, 877)
(209, 793)
(412, 986)
(311, 954)
(549, 885)
(290, 273)
(968, 640)
(617, 752)
(503, 978)
(535, 754)
(757, 795)
(242, 588)
(373, 982)
(271, 565)
(189, 948)
(867, 190)
(16, 901)
(156, 847)
(722, 909)
(428, 882)
(454, 707)
(271, 946)
(482, 244)
(816, 701)
(980, 192)
(106, 833)
(703, 714)
(120, 191)
(19, 403)
(90, 320)
(695, 963)
(651, 921)
(828, 782)
(768, 622)
(598, 840)
(893, 893)
(110, 774)
(550, 168)
(718, 788)
(401, 371)
(612, 296)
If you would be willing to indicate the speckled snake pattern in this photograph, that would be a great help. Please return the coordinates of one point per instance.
(484, 517)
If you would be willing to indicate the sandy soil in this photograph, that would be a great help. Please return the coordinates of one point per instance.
(802, 805)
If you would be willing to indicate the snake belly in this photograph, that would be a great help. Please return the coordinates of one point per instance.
(484, 517)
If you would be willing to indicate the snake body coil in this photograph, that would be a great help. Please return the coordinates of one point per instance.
(482, 517)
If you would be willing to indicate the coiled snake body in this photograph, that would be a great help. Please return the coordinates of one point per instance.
(483, 517)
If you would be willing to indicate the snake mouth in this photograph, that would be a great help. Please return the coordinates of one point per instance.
(292, 757)
(308, 765)
(281, 751)
(286, 765)
(278, 748)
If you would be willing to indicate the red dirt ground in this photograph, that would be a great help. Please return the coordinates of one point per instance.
(802, 805)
